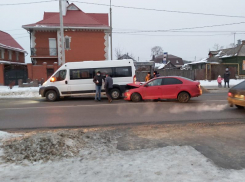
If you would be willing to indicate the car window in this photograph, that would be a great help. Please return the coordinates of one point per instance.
(171, 81)
(76, 74)
(240, 86)
(155, 82)
(60, 76)
(103, 71)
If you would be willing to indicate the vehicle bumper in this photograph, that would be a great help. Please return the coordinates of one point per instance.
(234, 101)
(126, 96)
(41, 91)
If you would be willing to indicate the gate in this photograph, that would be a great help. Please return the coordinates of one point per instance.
(12, 73)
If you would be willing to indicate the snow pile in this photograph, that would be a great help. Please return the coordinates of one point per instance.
(16, 92)
(164, 164)
(233, 82)
(52, 146)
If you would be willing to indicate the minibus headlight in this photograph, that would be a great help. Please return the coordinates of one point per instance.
(52, 79)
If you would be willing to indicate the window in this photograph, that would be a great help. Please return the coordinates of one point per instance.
(76, 74)
(10, 55)
(52, 47)
(60, 76)
(155, 82)
(17, 56)
(2, 53)
(171, 81)
(123, 72)
(240, 86)
(103, 71)
(67, 42)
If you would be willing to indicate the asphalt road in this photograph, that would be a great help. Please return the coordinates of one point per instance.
(76, 112)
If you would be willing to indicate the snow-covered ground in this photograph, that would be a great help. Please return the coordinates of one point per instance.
(173, 163)
(17, 92)
(233, 82)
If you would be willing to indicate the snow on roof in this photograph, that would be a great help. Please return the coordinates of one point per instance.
(10, 62)
(199, 62)
(8, 42)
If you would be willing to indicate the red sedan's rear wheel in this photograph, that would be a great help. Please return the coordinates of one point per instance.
(184, 97)
(135, 97)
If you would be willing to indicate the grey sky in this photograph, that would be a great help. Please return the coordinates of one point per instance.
(187, 47)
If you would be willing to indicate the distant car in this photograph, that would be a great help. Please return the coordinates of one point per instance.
(236, 95)
(179, 88)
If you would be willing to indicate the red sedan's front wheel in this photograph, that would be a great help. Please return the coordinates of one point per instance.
(136, 97)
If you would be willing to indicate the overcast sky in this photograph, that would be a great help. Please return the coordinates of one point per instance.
(182, 44)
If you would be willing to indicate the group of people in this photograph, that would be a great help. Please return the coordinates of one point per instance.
(148, 76)
(98, 80)
(226, 79)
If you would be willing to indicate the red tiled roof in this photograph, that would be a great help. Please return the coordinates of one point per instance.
(76, 18)
(8, 40)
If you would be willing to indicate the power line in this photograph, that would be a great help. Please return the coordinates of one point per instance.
(13, 38)
(162, 10)
(27, 3)
(179, 35)
(188, 28)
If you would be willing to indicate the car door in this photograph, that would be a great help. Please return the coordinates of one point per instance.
(152, 90)
(171, 87)
(59, 80)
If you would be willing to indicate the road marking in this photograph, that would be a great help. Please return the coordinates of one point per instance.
(100, 105)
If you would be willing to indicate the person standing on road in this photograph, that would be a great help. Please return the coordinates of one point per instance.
(219, 80)
(98, 83)
(148, 77)
(108, 86)
(156, 74)
(227, 77)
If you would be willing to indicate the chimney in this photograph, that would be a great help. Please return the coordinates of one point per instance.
(239, 42)
(243, 42)
(65, 4)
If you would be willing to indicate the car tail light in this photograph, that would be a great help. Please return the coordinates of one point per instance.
(230, 94)
(134, 79)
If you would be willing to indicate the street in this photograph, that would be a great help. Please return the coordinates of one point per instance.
(34, 113)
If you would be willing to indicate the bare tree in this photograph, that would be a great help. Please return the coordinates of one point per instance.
(217, 47)
(118, 53)
(156, 51)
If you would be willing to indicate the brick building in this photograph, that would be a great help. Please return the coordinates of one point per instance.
(86, 36)
(12, 60)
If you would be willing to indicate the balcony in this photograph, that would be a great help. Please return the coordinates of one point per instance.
(43, 52)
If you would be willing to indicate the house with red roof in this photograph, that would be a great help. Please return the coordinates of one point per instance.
(85, 37)
(12, 60)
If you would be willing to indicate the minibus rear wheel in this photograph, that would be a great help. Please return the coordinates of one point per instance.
(51, 96)
(115, 94)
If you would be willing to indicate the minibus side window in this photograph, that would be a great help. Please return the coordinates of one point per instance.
(123, 71)
(60, 76)
(103, 71)
(76, 74)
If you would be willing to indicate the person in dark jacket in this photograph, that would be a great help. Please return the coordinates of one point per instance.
(227, 77)
(108, 86)
(98, 83)
(156, 74)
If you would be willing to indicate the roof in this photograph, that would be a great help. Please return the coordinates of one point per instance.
(125, 56)
(74, 18)
(175, 60)
(8, 42)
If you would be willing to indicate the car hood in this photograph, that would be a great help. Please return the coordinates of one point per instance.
(135, 85)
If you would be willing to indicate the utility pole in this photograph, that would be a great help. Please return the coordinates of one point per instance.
(111, 28)
(234, 38)
(62, 35)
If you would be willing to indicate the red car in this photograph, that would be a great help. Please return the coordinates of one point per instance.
(173, 87)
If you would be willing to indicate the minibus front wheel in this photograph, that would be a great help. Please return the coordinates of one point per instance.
(51, 96)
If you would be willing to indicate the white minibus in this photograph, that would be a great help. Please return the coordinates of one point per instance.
(76, 78)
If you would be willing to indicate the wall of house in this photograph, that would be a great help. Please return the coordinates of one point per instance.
(1, 74)
(238, 60)
(49, 61)
(85, 45)
(6, 56)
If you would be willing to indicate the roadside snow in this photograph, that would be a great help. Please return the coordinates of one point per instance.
(233, 82)
(99, 160)
(163, 164)
(16, 92)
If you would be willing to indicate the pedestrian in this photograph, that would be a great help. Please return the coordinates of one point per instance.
(156, 74)
(98, 83)
(148, 77)
(108, 86)
(227, 77)
(219, 80)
